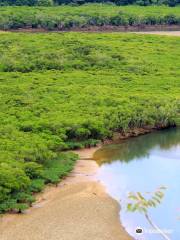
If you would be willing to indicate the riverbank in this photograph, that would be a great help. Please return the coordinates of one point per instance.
(157, 30)
(78, 200)
(78, 208)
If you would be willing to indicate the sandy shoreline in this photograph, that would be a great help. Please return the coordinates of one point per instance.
(167, 33)
(142, 31)
(78, 209)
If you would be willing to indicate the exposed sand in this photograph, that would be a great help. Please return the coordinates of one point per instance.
(110, 29)
(78, 209)
(168, 33)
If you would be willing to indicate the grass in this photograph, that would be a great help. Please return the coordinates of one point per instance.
(66, 17)
(70, 90)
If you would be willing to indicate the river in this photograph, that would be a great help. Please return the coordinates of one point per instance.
(143, 164)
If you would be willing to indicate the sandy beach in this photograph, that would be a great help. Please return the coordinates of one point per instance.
(78, 209)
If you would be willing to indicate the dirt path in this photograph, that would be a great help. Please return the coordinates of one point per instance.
(78, 209)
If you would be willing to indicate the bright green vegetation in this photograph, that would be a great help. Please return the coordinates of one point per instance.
(26, 167)
(64, 91)
(66, 17)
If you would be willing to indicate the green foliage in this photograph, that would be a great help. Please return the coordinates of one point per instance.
(59, 168)
(18, 2)
(17, 185)
(37, 185)
(171, 3)
(20, 207)
(141, 204)
(26, 198)
(45, 3)
(67, 17)
(33, 170)
(70, 90)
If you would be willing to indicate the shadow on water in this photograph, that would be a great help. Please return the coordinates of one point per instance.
(138, 147)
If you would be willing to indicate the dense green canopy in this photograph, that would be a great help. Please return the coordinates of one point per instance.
(117, 2)
(69, 90)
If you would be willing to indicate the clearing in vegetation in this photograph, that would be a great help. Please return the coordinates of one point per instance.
(69, 90)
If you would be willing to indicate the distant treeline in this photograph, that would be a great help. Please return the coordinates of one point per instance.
(79, 2)
(89, 15)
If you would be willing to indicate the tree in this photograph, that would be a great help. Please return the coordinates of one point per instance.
(45, 3)
(19, 2)
(140, 204)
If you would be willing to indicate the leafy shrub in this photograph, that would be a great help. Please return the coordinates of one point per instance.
(45, 3)
(171, 19)
(120, 19)
(37, 185)
(33, 170)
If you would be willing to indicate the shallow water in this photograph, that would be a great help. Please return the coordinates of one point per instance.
(143, 164)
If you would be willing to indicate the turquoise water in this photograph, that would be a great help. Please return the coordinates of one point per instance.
(143, 164)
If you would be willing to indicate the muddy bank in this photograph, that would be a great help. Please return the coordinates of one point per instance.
(134, 132)
(105, 28)
(77, 209)
(138, 28)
